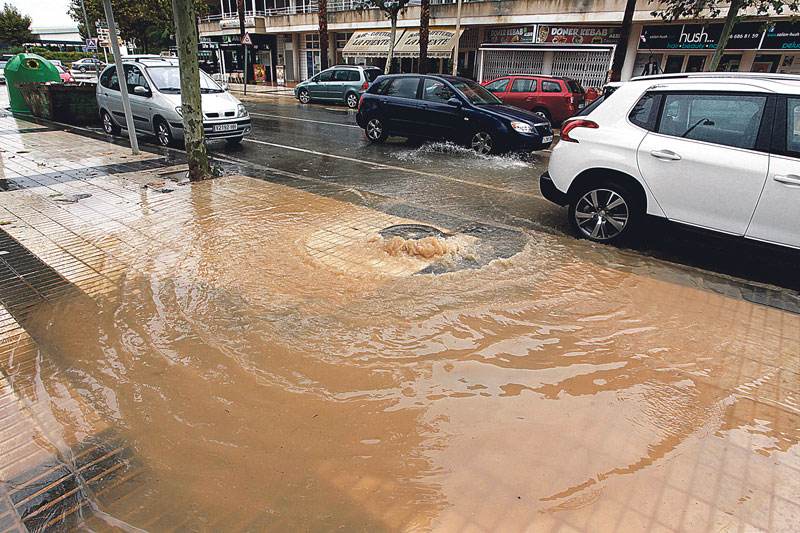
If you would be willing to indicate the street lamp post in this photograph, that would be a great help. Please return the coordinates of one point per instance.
(123, 86)
(458, 38)
(89, 36)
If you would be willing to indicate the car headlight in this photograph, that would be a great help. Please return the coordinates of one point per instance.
(522, 127)
(179, 110)
(241, 111)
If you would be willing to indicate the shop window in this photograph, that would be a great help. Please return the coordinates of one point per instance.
(523, 85)
(766, 63)
(551, 86)
(730, 63)
(341, 39)
(731, 120)
(312, 41)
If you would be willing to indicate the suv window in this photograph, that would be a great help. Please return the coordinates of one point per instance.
(436, 91)
(730, 120)
(109, 79)
(523, 85)
(134, 78)
(645, 113)
(793, 126)
(574, 87)
(551, 86)
(403, 88)
(340, 75)
(326, 76)
(353, 75)
(498, 86)
(372, 73)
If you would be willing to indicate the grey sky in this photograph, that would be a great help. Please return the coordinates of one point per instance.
(44, 12)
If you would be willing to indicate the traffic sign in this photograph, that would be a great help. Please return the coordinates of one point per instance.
(247, 39)
(91, 43)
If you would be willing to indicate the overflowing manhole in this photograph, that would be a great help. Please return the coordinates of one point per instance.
(413, 232)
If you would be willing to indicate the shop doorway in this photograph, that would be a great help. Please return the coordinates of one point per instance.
(674, 64)
(695, 63)
(766, 63)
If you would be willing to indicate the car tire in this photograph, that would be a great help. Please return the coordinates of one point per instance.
(303, 96)
(108, 124)
(83, 70)
(606, 212)
(543, 111)
(483, 143)
(376, 130)
(234, 141)
(351, 100)
(163, 133)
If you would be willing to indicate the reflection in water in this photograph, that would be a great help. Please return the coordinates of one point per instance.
(264, 388)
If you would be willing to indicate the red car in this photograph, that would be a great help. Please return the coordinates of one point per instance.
(556, 98)
(64, 74)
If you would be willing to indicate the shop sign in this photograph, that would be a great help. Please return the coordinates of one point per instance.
(260, 73)
(441, 42)
(782, 36)
(518, 34)
(744, 36)
(578, 34)
(234, 23)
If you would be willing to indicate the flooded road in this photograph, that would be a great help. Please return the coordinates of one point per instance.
(276, 363)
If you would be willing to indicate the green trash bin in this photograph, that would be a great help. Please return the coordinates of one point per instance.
(26, 68)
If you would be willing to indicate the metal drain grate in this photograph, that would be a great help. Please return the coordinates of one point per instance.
(413, 232)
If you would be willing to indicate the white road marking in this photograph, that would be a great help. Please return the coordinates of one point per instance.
(393, 167)
(305, 120)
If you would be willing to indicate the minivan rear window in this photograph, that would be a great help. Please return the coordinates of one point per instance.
(372, 73)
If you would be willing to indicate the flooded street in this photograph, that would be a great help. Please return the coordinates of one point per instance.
(264, 387)
(391, 338)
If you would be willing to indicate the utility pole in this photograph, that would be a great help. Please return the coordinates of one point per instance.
(89, 36)
(458, 38)
(191, 99)
(123, 86)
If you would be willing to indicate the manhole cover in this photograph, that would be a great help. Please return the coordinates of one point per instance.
(412, 232)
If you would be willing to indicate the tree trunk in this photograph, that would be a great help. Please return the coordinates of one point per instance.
(388, 69)
(191, 102)
(322, 6)
(424, 31)
(622, 46)
(730, 20)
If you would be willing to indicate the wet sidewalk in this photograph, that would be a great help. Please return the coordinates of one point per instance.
(242, 354)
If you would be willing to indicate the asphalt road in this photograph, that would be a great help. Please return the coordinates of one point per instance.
(323, 142)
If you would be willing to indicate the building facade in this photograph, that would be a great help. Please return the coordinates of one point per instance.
(572, 38)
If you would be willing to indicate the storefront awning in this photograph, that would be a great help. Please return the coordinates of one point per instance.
(371, 43)
(441, 42)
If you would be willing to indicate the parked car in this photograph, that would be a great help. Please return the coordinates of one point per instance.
(4, 58)
(155, 96)
(555, 98)
(450, 108)
(719, 151)
(343, 83)
(64, 73)
(87, 64)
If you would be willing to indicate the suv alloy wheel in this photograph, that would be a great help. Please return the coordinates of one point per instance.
(604, 212)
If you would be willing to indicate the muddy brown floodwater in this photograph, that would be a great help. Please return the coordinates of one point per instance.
(267, 381)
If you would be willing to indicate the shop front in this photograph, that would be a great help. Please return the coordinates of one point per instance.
(751, 48)
(582, 53)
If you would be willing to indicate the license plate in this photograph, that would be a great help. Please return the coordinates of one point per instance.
(580, 105)
(547, 139)
(224, 127)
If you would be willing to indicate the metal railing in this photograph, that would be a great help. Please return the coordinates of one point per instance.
(302, 8)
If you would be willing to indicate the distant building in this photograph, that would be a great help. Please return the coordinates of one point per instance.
(63, 39)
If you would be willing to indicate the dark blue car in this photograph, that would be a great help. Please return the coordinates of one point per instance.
(449, 108)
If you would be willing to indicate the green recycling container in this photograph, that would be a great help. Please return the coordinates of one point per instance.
(25, 68)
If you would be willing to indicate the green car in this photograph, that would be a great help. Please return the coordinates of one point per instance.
(342, 83)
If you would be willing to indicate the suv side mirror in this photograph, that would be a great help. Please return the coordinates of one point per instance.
(141, 91)
(455, 102)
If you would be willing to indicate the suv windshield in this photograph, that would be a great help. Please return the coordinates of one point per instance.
(475, 93)
(167, 80)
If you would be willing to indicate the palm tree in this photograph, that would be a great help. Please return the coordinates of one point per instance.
(424, 29)
(322, 8)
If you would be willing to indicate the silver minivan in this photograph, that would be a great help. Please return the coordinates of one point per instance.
(155, 95)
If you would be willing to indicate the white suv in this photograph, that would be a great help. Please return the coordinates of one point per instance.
(719, 151)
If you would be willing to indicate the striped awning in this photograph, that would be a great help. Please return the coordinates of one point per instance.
(441, 42)
(370, 43)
